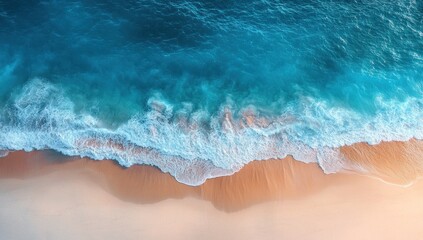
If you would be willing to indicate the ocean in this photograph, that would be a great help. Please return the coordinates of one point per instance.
(201, 88)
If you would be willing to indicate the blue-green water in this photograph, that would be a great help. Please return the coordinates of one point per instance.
(200, 88)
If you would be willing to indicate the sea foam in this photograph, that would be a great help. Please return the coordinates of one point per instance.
(196, 145)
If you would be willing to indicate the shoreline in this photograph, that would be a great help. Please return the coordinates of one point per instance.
(68, 198)
(393, 163)
(259, 181)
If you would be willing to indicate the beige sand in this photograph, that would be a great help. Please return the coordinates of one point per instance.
(395, 162)
(257, 182)
(69, 205)
(44, 199)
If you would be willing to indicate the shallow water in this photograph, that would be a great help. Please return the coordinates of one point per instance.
(199, 89)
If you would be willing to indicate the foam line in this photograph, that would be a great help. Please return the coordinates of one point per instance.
(42, 117)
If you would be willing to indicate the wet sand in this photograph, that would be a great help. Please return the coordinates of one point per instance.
(85, 199)
(257, 182)
(395, 162)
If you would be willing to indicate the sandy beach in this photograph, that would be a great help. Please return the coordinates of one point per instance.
(56, 197)
(211, 120)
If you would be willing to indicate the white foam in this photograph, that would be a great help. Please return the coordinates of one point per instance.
(4, 153)
(41, 117)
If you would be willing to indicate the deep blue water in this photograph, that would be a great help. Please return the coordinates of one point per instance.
(200, 88)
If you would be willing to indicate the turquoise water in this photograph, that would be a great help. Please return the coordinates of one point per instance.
(200, 88)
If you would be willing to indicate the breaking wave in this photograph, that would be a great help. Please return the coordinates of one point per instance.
(195, 146)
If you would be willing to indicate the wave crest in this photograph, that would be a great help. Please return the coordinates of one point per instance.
(195, 146)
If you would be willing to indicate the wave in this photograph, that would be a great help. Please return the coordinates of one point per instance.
(195, 145)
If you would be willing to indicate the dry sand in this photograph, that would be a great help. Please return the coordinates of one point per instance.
(43, 198)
